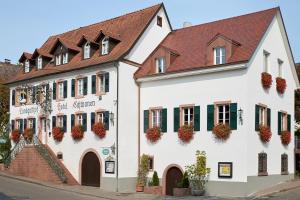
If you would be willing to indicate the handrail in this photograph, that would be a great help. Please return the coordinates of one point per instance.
(17, 149)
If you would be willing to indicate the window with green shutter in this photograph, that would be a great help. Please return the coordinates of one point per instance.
(106, 120)
(233, 116)
(197, 118)
(73, 88)
(279, 123)
(164, 120)
(13, 97)
(289, 123)
(257, 109)
(53, 121)
(210, 117)
(176, 119)
(92, 119)
(84, 121)
(106, 76)
(85, 88)
(146, 120)
(65, 89)
(72, 120)
(65, 123)
(54, 90)
(268, 117)
(93, 84)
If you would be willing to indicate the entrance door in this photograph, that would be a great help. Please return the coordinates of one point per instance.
(90, 170)
(174, 175)
(43, 131)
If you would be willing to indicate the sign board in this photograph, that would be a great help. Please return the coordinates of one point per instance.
(105, 152)
(225, 169)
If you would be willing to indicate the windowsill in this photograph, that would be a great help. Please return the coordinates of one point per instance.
(60, 99)
(79, 97)
(100, 93)
(262, 174)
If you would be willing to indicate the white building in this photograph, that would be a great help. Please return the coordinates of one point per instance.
(134, 72)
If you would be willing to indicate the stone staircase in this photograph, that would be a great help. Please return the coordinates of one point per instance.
(37, 161)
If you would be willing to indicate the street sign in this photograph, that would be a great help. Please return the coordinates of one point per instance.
(105, 152)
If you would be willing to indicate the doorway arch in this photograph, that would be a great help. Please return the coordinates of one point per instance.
(172, 175)
(90, 169)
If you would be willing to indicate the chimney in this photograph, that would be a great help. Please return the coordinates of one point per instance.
(7, 61)
(187, 24)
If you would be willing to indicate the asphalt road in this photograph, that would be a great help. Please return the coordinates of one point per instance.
(11, 189)
(288, 195)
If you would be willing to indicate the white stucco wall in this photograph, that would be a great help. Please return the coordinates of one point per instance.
(150, 39)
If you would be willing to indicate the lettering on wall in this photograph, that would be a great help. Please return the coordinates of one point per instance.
(83, 104)
(32, 110)
(62, 106)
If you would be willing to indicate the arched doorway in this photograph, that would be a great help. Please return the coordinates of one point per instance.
(90, 170)
(173, 176)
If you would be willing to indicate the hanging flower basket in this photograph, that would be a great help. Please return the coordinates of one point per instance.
(265, 134)
(28, 134)
(99, 129)
(15, 135)
(285, 137)
(153, 134)
(266, 80)
(222, 131)
(186, 133)
(57, 133)
(280, 85)
(77, 132)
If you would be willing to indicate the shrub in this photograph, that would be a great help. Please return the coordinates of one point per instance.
(143, 170)
(184, 182)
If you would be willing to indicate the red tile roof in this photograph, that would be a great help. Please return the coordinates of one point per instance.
(191, 42)
(126, 28)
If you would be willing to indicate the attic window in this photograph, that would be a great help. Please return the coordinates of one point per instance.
(161, 65)
(65, 58)
(86, 51)
(27, 66)
(58, 59)
(105, 46)
(159, 21)
(219, 55)
(39, 62)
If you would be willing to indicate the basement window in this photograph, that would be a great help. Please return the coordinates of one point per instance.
(59, 156)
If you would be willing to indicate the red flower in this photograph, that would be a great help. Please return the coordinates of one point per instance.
(285, 137)
(153, 134)
(99, 129)
(265, 134)
(280, 85)
(77, 132)
(266, 80)
(186, 133)
(57, 133)
(222, 131)
(28, 134)
(15, 135)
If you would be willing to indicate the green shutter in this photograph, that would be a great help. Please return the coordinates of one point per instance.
(146, 120)
(176, 119)
(34, 125)
(47, 93)
(106, 76)
(289, 123)
(92, 119)
(197, 118)
(65, 89)
(13, 97)
(21, 125)
(233, 116)
(269, 117)
(72, 120)
(257, 117)
(93, 84)
(73, 88)
(85, 88)
(25, 124)
(65, 123)
(54, 90)
(84, 121)
(12, 125)
(279, 123)
(164, 120)
(53, 121)
(106, 120)
(210, 117)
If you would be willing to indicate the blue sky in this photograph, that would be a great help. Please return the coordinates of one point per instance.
(26, 25)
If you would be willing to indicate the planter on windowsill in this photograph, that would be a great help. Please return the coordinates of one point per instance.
(280, 85)
(28, 134)
(186, 133)
(153, 134)
(99, 129)
(266, 80)
(265, 134)
(222, 131)
(57, 133)
(15, 135)
(285, 137)
(77, 132)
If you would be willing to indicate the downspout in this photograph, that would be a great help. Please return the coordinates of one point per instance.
(117, 129)
(139, 125)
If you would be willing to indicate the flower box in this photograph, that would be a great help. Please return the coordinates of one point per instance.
(285, 137)
(265, 134)
(57, 133)
(99, 129)
(15, 135)
(222, 131)
(280, 85)
(156, 190)
(153, 134)
(77, 132)
(180, 192)
(186, 133)
(266, 80)
(28, 134)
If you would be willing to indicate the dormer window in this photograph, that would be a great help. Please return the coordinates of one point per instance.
(40, 62)
(219, 55)
(58, 59)
(161, 65)
(65, 58)
(27, 66)
(105, 46)
(86, 51)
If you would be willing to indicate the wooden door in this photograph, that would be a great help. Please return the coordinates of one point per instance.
(90, 170)
(174, 175)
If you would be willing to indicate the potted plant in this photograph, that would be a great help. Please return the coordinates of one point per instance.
(28, 134)
(186, 133)
(57, 133)
(153, 134)
(198, 174)
(99, 129)
(183, 187)
(266, 80)
(77, 132)
(142, 173)
(153, 185)
(15, 135)
(280, 85)
(285, 137)
(222, 131)
(265, 133)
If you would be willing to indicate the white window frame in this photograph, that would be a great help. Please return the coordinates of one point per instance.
(60, 90)
(266, 56)
(101, 83)
(262, 116)
(43, 124)
(27, 66)
(284, 125)
(65, 58)
(280, 70)
(39, 62)
(30, 123)
(161, 65)
(80, 87)
(224, 119)
(156, 118)
(190, 115)
(221, 56)
(100, 117)
(58, 59)
(18, 124)
(87, 50)
(79, 119)
(60, 121)
(105, 46)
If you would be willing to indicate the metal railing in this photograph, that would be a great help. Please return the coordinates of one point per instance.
(17, 149)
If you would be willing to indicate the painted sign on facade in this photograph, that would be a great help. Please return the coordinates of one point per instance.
(83, 104)
(32, 110)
